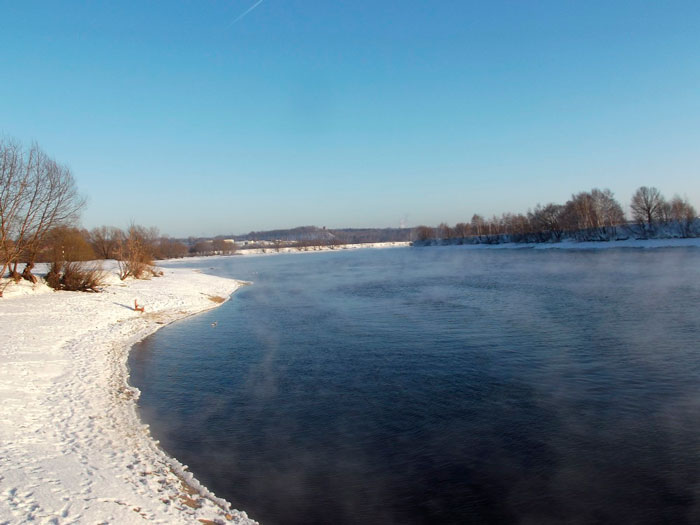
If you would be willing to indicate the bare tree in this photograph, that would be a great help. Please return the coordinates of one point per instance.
(13, 187)
(104, 241)
(424, 233)
(219, 246)
(684, 213)
(579, 213)
(494, 225)
(172, 249)
(681, 209)
(202, 247)
(462, 229)
(547, 220)
(36, 194)
(592, 215)
(136, 251)
(478, 224)
(444, 231)
(647, 205)
(520, 226)
(608, 211)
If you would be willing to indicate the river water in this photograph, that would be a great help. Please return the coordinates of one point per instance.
(440, 385)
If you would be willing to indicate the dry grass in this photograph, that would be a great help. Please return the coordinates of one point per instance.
(191, 503)
(216, 298)
(188, 494)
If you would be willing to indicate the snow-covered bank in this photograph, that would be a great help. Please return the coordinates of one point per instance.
(329, 248)
(72, 447)
(575, 245)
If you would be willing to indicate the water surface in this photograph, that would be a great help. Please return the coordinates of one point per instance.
(440, 385)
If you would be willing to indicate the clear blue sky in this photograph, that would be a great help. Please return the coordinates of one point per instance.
(189, 117)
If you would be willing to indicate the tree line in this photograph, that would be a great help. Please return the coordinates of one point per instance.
(588, 216)
(39, 211)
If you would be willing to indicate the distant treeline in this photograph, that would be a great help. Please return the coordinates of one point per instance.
(588, 216)
(313, 234)
(109, 242)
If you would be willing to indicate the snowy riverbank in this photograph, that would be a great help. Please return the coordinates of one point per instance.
(313, 249)
(72, 447)
(570, 244)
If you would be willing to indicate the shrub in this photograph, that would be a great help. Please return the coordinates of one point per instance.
(134, 253)
(75, 276)
(53, 278)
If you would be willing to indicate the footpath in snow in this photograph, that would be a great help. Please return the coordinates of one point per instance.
(72, 447)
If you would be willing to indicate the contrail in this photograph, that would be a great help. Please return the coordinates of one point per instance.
(244, 13)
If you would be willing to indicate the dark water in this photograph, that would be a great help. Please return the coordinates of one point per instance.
(440, 385)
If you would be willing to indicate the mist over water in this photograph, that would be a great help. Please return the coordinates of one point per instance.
(440, 385)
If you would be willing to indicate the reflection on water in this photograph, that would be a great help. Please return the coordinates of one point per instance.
(440, 385)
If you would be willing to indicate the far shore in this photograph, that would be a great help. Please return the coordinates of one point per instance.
(272, 250)
(562, 245)
(570, 244)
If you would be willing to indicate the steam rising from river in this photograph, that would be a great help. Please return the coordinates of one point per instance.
(441, 385)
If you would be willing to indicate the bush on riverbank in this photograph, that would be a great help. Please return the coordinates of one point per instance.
(75, 276)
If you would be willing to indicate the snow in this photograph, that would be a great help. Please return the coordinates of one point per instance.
(627, 243)
(72, 447)
(570, 244)
(312, 249)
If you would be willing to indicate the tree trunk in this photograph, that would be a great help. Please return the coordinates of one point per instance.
(27, 273)
(14, 274)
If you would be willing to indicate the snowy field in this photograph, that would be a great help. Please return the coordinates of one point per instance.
(72, 447)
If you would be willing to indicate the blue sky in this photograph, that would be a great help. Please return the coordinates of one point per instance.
(189, 117)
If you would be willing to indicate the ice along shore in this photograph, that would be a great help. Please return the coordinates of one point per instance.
(72, 447)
